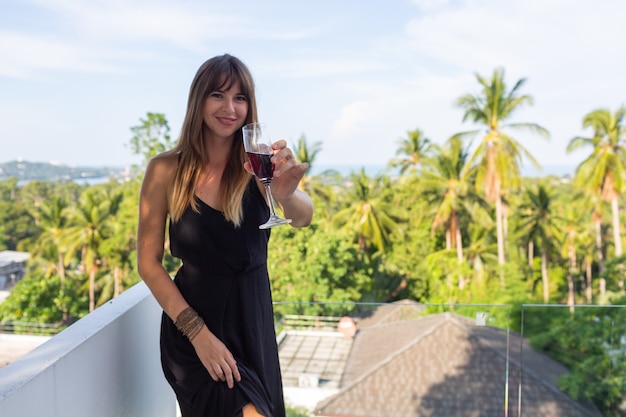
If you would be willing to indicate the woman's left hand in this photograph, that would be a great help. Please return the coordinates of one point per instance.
(288, 172)
(295, 204)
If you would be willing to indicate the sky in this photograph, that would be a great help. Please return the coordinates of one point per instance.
(354, 75)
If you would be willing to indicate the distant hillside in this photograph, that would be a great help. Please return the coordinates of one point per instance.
(45, 171)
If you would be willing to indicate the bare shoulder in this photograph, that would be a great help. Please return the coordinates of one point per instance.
(161, 168)
(163, 163)
(160, 174)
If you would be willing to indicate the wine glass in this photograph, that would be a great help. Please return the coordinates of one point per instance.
(258, 146)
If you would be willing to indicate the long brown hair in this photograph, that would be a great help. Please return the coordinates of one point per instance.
(218, 73)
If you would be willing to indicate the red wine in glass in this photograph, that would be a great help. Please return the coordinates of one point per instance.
(261, 165)
(258, 146)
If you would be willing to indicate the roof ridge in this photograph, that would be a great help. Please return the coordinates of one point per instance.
(380, 324)
(390, 311)
(381, 317)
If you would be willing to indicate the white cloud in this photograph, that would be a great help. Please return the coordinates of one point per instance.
(101, 35)
(24, 56)
(321, 67)
(353, 120)
(98, 36)
(428, 5)
(530, 36)
(368, 130)
(188, 25)
(359, 88)
(184, 25)
(567, 51)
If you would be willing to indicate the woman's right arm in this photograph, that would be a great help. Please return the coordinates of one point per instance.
(153, 211)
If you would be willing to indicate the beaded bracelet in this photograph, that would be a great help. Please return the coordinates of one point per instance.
(189, 323)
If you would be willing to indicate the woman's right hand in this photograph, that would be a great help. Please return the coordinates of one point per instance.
(216, 357)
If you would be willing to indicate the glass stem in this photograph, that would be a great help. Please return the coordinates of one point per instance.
(270, 200)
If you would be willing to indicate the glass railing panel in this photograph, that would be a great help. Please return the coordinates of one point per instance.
(572, 361)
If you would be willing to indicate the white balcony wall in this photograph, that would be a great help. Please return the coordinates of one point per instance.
(105, 365)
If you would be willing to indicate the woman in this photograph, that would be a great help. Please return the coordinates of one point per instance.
(218, 345)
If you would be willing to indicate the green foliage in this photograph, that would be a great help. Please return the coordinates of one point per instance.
(308, 266)
(118, 249)
(406, 260)
(366, 213)
(297, 412)
(151, 136)
(9, 189)
(381, 239)
(16, 224)
(613, 274)
(37, 299)
(589, 341)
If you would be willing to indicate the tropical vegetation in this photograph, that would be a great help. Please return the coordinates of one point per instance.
(449, 223)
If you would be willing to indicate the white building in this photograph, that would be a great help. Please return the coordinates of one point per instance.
(12, 268)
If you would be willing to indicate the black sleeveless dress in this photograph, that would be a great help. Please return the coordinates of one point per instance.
(224, 278)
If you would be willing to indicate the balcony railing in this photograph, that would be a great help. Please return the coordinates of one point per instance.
(104, 365)
(39, 329)
(340, 359)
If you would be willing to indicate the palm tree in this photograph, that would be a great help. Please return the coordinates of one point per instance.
(481, 254)
(89, 227)
(367, 213)
(587, 248)
(446, 183)
(603, 171)
(592, 203)
(305, 152)
(597, 210)
(52, 218)
(116, 249)
(412, 151)
(498, 156)
(573, 234)
(540, 224)
(315, 185)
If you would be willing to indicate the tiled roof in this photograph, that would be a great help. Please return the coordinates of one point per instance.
(376, 345)
(445, 365)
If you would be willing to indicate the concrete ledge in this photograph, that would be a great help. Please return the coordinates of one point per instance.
(106, 364)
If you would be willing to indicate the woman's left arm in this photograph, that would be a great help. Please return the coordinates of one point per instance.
(298, 207)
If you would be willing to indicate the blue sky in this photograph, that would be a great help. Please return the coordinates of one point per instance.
(355, 75)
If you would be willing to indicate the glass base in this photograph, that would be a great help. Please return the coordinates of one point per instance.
(274, 221)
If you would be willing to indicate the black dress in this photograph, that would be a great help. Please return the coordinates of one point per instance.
(224, 278)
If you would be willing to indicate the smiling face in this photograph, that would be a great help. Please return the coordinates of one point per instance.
(225, 111)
